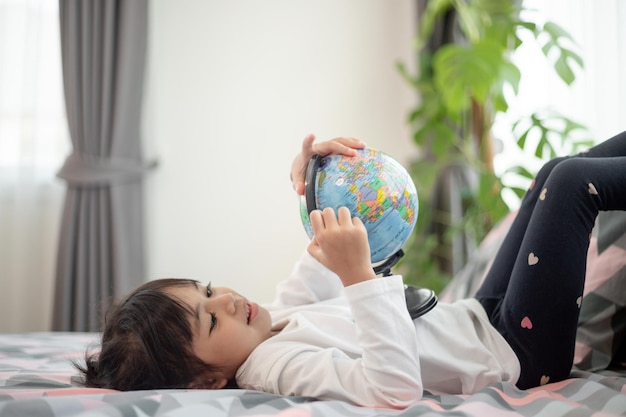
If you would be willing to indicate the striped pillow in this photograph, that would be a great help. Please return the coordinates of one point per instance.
(602, 323)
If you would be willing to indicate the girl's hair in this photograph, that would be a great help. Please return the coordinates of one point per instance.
(146, 343)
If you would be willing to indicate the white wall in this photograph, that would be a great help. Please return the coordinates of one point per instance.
(235, 85)
(233, 88)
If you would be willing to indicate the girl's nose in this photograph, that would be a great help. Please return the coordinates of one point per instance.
(227, 301)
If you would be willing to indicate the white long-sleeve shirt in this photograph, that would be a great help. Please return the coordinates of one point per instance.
(359, 344)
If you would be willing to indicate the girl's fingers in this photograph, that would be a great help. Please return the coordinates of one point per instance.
(349, 142)
(327, 219)
(356, 221)
(343, 216)
(299, 186)
(307, 144)
(317, 221)
(339, 146)
(330, 220)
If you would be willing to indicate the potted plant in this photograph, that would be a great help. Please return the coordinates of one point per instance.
(465, 78)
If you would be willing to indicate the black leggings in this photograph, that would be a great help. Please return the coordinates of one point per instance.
(533, 291)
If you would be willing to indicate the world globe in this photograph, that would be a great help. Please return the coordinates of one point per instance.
(374, 187)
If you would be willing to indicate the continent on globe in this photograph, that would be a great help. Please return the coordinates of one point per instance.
(374, 187)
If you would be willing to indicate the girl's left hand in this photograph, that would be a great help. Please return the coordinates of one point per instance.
(337, 146)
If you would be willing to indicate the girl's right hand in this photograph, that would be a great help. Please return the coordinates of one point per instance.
(340, 243)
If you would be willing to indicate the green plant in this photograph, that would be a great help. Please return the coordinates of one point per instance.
(462, 85)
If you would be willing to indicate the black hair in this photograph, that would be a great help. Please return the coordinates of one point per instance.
(146, 343)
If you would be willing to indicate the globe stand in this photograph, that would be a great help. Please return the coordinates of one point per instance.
(385, 267)
(309, 182)
(419, 301)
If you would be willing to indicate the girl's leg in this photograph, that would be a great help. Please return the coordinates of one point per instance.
(497, 280)
(615, 146)
(538, 314)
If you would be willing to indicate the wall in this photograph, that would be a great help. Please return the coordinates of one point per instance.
(236, 84)
(233, 88)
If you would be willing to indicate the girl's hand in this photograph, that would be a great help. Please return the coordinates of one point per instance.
(337, 146)
(340, 243)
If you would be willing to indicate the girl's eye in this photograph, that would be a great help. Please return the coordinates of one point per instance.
(213, 322)
(209, 291)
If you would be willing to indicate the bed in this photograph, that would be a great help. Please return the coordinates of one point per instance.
(37, 377)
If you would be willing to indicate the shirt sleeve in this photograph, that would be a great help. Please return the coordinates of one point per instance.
(386, 374)
(309, 282)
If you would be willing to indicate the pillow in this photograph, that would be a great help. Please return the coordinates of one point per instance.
(601, 336)
(602, 322)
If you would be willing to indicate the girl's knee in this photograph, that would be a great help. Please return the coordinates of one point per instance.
(567, 170)
(549, 166)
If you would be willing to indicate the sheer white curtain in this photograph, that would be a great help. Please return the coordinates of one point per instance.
(597, 98)
(33, 143)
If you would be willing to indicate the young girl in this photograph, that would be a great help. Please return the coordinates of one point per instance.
(336, 331)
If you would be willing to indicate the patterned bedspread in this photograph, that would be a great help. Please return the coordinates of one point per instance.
(37, 379)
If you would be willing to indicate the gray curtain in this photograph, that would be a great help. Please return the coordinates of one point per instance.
(100, 252)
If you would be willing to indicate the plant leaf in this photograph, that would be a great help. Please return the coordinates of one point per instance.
(521, 141)
(574, 56)
(510, 74)
(461, 72)
(564, 70)
(556, 31)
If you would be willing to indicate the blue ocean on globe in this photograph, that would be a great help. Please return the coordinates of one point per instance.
(375, 188)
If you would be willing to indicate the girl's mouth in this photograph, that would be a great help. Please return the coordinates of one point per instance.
(252, 311)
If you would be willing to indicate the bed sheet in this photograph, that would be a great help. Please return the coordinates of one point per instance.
(37, 379)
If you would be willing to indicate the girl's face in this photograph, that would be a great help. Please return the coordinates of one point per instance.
(226, 327)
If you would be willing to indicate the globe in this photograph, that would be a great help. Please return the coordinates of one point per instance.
(374, 187)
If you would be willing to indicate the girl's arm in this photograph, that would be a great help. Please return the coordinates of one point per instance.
(388, 372)
(383, 370)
